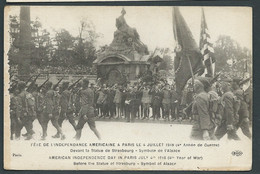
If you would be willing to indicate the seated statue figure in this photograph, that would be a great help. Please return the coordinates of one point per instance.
(125, 35)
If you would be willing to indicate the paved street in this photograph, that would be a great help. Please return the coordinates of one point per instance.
(115, 130)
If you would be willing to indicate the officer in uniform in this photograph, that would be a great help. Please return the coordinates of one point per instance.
(51, 111)
(146, 101)
(166, 101)
(86, 113)
(129, 96)
(132, 103)
(117, 101)
(203, 127)
(243, 110)
(110, 102)
(101, 101)
(156, 101)
(174, 103)
(26, 112)
(228, 112)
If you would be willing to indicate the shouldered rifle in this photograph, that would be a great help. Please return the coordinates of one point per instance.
(29, 79)
(57, 84)
(244, 81)
(74, 84)
(215, 78)
(33, 82)
(13, 86)
(11, 76)
(42, 85)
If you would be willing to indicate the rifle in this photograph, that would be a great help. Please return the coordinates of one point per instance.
(33, 82)
(244, 81)
(29, 80)
(187, 110)
(215, 78)
(11, 76)
(72, 85)
(13, 86)
(40, 87)
(57, 84)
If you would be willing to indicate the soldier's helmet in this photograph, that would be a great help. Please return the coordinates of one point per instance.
(226, 83)
(198, 85)
(79, 85)
(21, 85)
(206, 82)
(34, 87)
(65, 85)
(85, 82)
(236, 80)
(48, 84)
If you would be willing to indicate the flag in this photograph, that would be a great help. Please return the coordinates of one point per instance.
(206, 47)
(159, 52)
(188, 59)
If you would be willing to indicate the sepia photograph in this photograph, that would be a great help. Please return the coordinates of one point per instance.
(128, 88)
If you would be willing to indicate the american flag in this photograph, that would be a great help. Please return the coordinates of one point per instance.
(206, 47)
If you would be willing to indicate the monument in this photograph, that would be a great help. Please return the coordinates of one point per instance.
(25, 43)
(125, 59)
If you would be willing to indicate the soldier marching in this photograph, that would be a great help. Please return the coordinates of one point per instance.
(216, 108)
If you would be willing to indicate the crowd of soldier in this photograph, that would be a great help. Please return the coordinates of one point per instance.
(213, 112)
(216, 114)
(51, 104)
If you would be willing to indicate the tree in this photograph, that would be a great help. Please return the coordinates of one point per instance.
(64, 48)
(167, 63)
(85, 51)
(230, 56)
(14, 25)
(42, 44)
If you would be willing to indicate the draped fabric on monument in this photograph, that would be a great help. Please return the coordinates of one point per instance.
(187, 52)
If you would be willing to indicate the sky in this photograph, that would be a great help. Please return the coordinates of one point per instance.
(154, 24)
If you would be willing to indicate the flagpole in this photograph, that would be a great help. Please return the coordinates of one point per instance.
(211, 68)
(192, 74)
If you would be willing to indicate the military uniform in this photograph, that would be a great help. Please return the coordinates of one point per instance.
(229, 119)
(101, 102)
(201, 117)
(243, 114)
(117, 100)
(248, 99)
(156, 102)
(110, 102)
(76, 100)
(174, 104)
(146, 102)
(166, 101)
(51, 112)
(87, 113)
(14, 105)
(26, 113)
(67, 108)
(39, 104)
(129, 105)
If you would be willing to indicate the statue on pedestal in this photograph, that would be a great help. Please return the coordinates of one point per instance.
(126, 40)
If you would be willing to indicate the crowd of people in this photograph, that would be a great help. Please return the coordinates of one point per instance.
(214, 110)
(220, 112)
(76, 70)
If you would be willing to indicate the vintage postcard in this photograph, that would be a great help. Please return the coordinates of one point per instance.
(127, 88)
